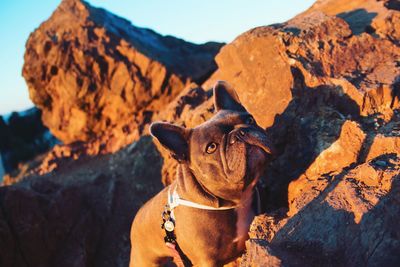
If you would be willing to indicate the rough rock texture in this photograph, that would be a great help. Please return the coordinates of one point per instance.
(326, 86)
(95, 76)
(81, 214)
(348, 219)
(304, 78)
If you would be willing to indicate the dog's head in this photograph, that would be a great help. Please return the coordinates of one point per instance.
(226, 153)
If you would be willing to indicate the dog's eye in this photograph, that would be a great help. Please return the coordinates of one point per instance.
(211, 147)
(250, 120)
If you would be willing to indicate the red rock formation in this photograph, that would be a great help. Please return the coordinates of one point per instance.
(94, 75)
(300, 76)
(325, 85)
(348, 219)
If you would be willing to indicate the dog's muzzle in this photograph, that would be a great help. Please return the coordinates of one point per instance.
(252, 136)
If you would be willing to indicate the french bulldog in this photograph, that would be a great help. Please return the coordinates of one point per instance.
(221, 161)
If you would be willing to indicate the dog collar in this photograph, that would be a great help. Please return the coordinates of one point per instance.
(174, 200)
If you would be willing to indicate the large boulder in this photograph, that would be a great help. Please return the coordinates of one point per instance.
(303, 79)
(325, 85)
(347, 219)
(94, 75)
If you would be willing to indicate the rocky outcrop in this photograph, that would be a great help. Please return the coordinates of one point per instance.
(81, 214)
(348, 219)
(96, 76)
(22, 138)
(303, 80)
(326, 86)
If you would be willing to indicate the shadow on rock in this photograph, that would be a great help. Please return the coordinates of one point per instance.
(359, 20)
(309, 125)
(361, 230)
(79, 215)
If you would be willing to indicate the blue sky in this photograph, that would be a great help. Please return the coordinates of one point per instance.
(195, 21)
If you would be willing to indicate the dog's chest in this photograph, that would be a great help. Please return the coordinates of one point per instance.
(245, 215)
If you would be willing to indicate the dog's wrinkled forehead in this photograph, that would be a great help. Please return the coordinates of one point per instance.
(217, 128)
(222, 122)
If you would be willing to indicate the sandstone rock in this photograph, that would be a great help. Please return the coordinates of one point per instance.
(81, 214)
(386, 26)
(302, 80)
(260, 64)
(384, 145)
(260, 255)
(257, 66)
(350, 221)
(94, 75)
(325, 85)
(386, 140)
(342, 153)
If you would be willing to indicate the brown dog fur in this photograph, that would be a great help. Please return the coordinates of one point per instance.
(218, 176)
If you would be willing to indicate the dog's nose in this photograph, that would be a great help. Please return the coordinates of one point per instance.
(236, 134)
(251, 136)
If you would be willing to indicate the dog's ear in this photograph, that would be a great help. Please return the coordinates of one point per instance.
(225, 97)
(173, 138)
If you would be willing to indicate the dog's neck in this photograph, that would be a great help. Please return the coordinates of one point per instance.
(189, 188)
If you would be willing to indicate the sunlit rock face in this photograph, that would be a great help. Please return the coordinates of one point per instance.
(344, 219)
(96, 76)
(305, 80)
(325, 85)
